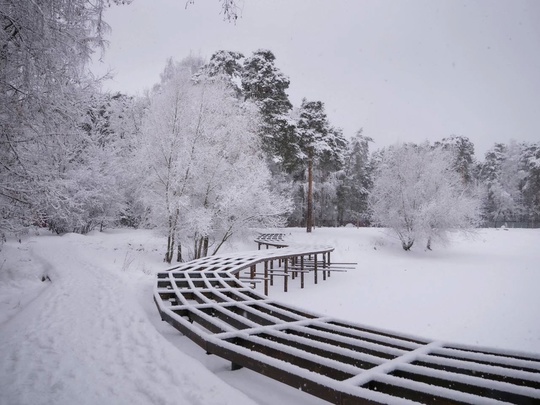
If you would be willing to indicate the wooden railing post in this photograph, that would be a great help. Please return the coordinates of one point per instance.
(266, 277)
(301, 271)
(329, 272)
(324, 266)
(315, 268)
(285, 277)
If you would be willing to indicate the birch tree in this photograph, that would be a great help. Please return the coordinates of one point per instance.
(205, 176)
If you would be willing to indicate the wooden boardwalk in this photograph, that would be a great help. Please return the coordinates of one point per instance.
(340, 362)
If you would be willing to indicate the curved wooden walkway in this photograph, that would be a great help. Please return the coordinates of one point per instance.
(335, 360)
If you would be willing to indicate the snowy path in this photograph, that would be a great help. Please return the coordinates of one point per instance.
(85, 340)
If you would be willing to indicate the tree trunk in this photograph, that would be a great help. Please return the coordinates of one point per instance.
(179, 253)
(170, 248)
(407, 245)
(197, 252)
(205, 247)
(309, 213)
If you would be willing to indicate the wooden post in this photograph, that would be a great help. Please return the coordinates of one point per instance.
(324, 266)
(302, 271)
(252, 271)
(315, 268)
(285, 277)
(266, 277)
(329, 273)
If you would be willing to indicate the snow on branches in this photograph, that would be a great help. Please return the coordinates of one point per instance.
(419, 195)
(204, 174)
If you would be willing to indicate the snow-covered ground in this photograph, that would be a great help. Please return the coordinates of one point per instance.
(92, 334)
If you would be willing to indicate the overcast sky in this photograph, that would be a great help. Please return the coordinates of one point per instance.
(401, 70)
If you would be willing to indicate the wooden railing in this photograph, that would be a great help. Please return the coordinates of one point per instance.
(338, 361)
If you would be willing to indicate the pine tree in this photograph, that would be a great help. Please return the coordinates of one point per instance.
(265, 85)
(502, 176)
(225, 66)
(531, 181)
(462, 150)
(356, 181)
(320, 145)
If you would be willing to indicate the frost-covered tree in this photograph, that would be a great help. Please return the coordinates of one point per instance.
(30, 75)
(204, 172)
(229, 8)
(502, 176)
(462, 150)
(45, 92)
(319, 144)
(531, 181)
(419, 195)
(355, 182)
(224, 66)
(511, 181)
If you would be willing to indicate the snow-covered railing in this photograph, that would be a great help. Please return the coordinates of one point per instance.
(338, 361)
(271, 239)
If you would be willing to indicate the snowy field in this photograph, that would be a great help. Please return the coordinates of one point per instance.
(91, 334)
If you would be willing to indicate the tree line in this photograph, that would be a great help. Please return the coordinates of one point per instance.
(215, 148)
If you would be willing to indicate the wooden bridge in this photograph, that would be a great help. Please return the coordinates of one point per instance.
(211, 301)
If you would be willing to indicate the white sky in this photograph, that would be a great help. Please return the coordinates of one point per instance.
(402, 70)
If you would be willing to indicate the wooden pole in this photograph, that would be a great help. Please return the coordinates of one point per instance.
(266, 277)
(315, 268)
(309, 213)
(324, 266)
(329, 273)
(302, 272)
(285, 277)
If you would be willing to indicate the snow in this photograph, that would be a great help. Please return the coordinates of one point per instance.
(481, 290)
(88, 339)
(93, 335)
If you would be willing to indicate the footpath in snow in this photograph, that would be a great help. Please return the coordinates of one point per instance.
(85, 339)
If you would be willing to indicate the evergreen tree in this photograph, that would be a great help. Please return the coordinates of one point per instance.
(319, 144)
(356, 181)
(265, 85)
(531, 181)
(225, 66)
(502, 178)
(462, 150)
